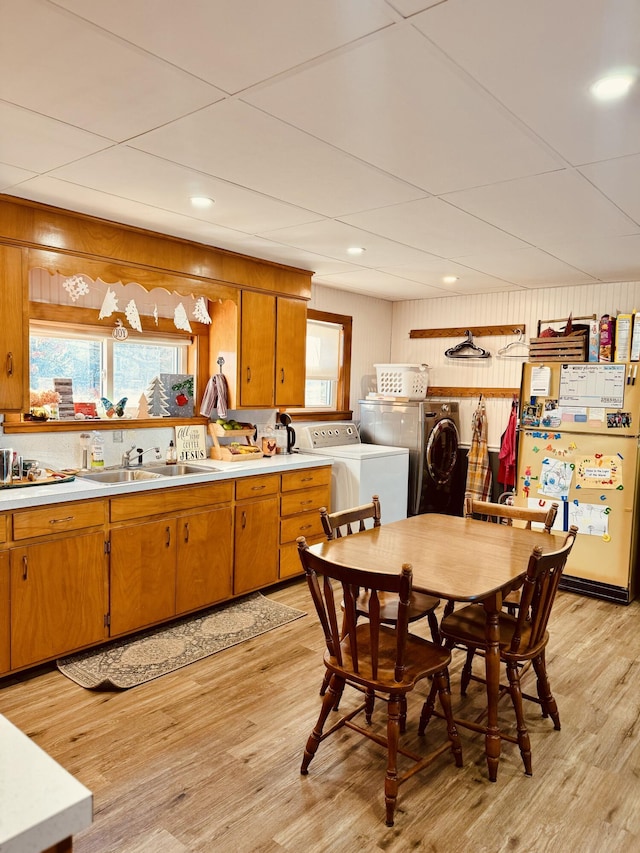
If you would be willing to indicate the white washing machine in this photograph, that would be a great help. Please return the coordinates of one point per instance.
(359, 470)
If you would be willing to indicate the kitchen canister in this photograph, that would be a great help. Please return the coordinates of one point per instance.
(6, 465)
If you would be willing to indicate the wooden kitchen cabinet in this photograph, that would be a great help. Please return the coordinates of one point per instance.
(205, 559)
(291, 351)
(5, 613)
(303, 492)
(256, 532)
(14, 360)
(57, 597)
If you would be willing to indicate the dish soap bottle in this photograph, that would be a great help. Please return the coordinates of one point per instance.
(171, 454)
(97, 451)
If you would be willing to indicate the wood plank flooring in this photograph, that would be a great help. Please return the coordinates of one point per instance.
(207, 759)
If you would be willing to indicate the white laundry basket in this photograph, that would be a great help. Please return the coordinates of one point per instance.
(402, 380)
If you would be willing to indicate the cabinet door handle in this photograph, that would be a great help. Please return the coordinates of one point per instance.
(61, 520)
(168, 542)
(244, 520)
(25, 568)
(248, 374)
(186, 532)
(306, 527)
(306, 479)
(282, 375)
(257, 488)
(9, 364)
(305, 503)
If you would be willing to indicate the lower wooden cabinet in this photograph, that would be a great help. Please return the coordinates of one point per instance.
(5, 613)
(57, 597)
(205, 559)
(143, 575)
(256, 544)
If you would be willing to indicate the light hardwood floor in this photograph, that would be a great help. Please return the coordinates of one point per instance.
(207, 759)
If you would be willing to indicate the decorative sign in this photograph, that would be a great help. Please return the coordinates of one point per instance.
(599, 472)
(179, 390)
(191, 443)
(120, 333)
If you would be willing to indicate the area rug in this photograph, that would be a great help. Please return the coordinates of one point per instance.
(133, 660)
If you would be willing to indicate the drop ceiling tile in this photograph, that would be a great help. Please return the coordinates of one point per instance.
(539, 60)
(434, 226)
(332, 239)
(432, 272)
(394, 101)
(528, 268)
(608, 258)
(10, 175)
(556, 206)
(73, 197)
(379, 285)
(37, 143)
(54, 64)
(234, 45)
(241, 144)
(619, 180)
(137, 176)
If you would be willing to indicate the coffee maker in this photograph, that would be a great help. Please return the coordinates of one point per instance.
(285, 424)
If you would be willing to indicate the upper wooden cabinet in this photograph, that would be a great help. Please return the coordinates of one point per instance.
(272, 346)
(13, 349)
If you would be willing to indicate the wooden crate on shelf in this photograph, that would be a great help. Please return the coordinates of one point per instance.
(240, 453)
(565, 348)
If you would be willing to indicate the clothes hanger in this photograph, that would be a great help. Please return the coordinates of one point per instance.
(467, 349)
(508, 350)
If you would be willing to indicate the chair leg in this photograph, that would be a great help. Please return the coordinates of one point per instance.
(369, 701)
(393, 735)
(448, 608)
(325, 682)
(427, 708)
(336, 686)
(516, 698)
(465, 678)
(403, 715)
(434, 628)
(441, 684)
(549, 706)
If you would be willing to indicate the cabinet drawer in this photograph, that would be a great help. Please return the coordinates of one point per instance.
(58, 518)
(290, 564)
(3, 528)
(256, 487)
(306, 524)
(173, 499)
(304, 501)
(306, 477)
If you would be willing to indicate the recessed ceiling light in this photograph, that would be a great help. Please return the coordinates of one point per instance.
(615, 85)
(355, 250)
(450, 279)
(201, 201)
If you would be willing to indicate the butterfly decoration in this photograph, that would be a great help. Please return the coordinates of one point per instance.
(112, 409)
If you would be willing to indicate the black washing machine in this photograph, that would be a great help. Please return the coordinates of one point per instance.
(441, 462)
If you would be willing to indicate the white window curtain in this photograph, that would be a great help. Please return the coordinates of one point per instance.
(323, 350)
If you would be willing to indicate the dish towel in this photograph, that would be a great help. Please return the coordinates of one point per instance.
(215, 396)
(479, 470)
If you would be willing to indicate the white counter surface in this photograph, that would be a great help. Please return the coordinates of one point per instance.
(79, 489)
(40, 803)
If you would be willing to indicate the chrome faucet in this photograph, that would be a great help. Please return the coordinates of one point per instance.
(139, 452)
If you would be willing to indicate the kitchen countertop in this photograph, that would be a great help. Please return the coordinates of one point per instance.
(79, 489)
(40, 803)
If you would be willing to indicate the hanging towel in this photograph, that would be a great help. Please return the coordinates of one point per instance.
(479, 470)
(507, 455)
(215, 396)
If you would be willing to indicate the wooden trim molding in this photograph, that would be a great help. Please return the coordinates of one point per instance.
(461, 331)
(448, 391)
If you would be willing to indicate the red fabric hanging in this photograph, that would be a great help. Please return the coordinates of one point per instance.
(507, 455)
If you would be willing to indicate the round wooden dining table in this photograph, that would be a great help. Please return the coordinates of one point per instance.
(458, 559)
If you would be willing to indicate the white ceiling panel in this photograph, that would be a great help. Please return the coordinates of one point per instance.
(434, 226)
(528, 268)
(443, 136)
(556, 206)
(333, 238)
(52, 64)
(38, 143)
(619, 180)
(140, 177)
(234, 45)
(540, 58)
(241, 144)
(394, 101)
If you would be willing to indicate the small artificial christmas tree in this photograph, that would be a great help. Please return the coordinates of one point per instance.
(157, 397)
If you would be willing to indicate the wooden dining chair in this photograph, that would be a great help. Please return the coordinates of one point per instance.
(523, 638)
(373, 656)
(354, 520)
